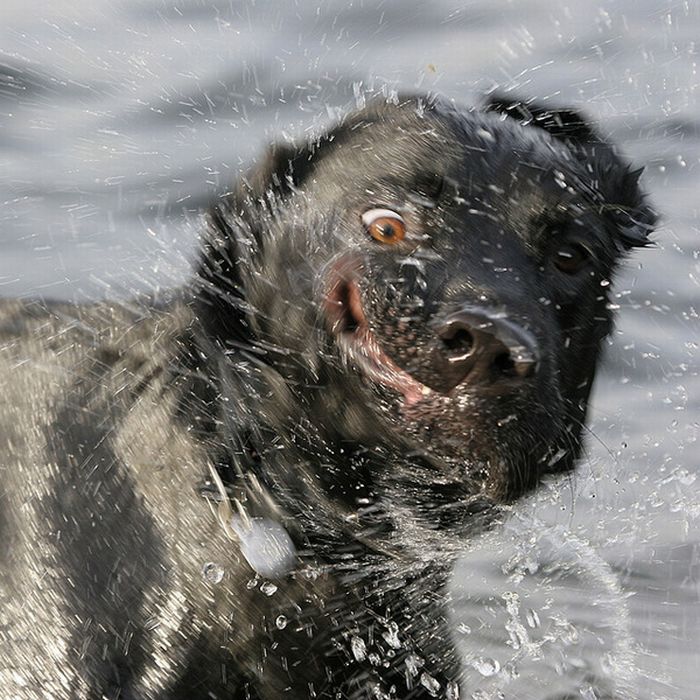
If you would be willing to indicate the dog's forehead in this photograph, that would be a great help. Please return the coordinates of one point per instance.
(471, 149)
(397, 145)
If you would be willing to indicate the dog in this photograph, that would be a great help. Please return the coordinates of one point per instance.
(256, 488)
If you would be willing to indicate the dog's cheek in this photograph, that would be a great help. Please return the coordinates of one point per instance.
(584, 327)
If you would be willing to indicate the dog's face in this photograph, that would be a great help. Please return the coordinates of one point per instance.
(436, 283)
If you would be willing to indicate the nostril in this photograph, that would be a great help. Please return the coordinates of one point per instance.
(481, 346)
(459, 343)
(504, 365)
(508, 365)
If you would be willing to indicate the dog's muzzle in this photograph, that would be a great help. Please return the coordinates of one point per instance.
(477, 345)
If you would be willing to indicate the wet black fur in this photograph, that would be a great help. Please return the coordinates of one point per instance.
(108, 451)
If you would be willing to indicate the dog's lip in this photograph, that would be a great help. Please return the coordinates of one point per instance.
(348, 323)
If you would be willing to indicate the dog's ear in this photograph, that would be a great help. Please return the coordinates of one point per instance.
(233, 237)
(565, 124)
(624, 203)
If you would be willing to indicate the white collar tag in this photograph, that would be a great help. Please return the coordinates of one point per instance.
(264, 542)
(266, 545)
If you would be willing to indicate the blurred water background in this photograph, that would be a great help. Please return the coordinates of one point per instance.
(120, 118)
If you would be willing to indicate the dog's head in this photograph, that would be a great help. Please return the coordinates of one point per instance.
(430, 285)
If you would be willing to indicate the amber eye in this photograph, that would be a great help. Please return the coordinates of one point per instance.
(384, 225)
(570, 258)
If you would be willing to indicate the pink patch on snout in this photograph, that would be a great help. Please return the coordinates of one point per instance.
(348, 323)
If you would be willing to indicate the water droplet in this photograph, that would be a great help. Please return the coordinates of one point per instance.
(268, 588)
(379, 694)
(452, 691)
(212, 572)
(281, 622)
(486, 667)
(512, 600)
(568, 633)
(391, 636)
(430, 684)
(533, 619)
(686, 478)
(310, 574)
(413, 663)
(517, 633)
(359, 648)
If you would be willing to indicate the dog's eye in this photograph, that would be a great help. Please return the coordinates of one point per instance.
(570, 258)
(384, 225)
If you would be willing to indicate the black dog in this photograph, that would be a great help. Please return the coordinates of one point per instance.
(257, 488)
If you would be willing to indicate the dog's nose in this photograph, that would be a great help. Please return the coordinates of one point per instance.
(483, 346)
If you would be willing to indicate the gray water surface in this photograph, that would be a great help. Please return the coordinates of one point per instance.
(118, 120)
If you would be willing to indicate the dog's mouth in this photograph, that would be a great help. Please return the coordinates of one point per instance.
(348, 323)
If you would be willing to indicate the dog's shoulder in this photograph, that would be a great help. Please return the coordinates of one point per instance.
(60, 362)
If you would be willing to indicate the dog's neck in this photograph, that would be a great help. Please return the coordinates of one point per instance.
(269, 475)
